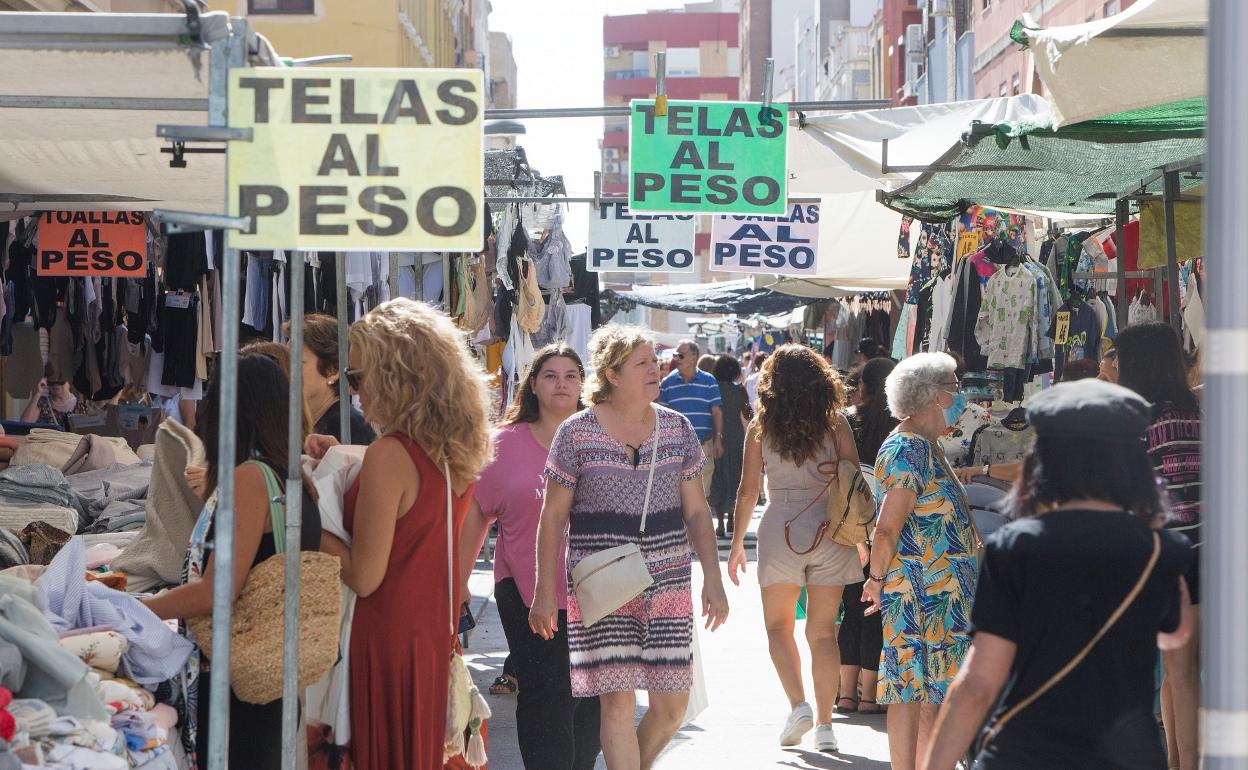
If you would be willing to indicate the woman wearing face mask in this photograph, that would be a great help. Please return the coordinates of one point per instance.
(555, 729)
(924, 555)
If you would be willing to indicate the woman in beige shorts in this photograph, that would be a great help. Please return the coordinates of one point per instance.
(799, 435)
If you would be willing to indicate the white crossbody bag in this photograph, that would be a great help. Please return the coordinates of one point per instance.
(608, 579)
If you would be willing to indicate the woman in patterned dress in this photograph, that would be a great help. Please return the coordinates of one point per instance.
(596, 475)
(924, 555)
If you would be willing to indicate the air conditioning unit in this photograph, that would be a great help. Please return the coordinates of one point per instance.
(611, 168)
(916, 43)
(611, 153)
(611, 51)
(942, 7)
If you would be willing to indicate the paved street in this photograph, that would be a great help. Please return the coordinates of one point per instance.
(747, 708)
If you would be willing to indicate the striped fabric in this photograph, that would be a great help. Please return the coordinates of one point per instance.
(694, 400)
(645, 645)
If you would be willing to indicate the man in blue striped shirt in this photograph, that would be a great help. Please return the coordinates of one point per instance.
(695, 394)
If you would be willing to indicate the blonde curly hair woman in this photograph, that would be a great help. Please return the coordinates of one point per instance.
(597, 475)
(415, 378)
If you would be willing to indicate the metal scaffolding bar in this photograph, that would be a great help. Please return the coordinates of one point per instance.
(294, 523)
(232, 54)
(1224, 712)
(1122, 213)
(344, 311)
(1171, 182)
(625, 111)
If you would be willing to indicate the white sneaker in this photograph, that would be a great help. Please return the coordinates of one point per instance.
(797, 725)
(825, 739)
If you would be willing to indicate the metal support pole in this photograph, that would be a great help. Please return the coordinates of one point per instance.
(394, 274)
(1225, 358)
(344, 389)
(769, 68)
(1171, 191)
(660, 83)
(446, 285)
(223, 59)
(294, 527)
(1122, 211)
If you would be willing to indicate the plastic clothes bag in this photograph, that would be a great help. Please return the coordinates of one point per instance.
(328, 701)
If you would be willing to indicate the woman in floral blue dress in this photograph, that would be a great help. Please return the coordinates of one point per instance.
(924, 555)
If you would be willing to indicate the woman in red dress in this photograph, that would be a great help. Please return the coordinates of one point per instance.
(416, 379)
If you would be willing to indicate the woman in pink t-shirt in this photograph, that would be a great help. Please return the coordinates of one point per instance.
(555, 730)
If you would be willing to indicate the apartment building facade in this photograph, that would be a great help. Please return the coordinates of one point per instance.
(376, 33)
(702, 43)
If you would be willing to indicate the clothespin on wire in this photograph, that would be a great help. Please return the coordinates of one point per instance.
(660, 83)
(769, 66)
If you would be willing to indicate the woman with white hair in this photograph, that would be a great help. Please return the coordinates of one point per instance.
(924, 555)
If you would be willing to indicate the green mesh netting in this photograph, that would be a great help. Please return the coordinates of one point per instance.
(1076, 169)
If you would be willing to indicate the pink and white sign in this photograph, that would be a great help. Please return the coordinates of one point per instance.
(786, 245)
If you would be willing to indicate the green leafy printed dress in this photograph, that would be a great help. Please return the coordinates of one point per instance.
(930, 584)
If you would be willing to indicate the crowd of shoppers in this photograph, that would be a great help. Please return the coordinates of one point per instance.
(926, 621)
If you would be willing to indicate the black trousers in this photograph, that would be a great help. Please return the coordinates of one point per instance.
(556, 731)
(861, 638)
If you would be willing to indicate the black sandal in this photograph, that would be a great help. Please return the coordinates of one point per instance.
(504, 685)
(851, 709)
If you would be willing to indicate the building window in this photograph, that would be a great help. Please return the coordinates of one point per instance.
(1014, 84)
(281, 6)
(1002, 91)
(1113, 7)
(987, 5)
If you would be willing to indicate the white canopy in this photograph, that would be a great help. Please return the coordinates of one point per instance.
(857, 250)
(1152, 53)
(839, 157)
(843, 152)
(81, 95)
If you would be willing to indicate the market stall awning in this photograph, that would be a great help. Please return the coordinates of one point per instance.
(844, 152)
(725, 297)
(857, 251)
(81, 95)
(1080, 169)
(1152, 53)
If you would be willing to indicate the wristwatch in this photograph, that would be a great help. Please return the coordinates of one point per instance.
(876, 578)
(988, 470)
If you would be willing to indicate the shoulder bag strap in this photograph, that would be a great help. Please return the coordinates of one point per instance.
(833, 473)
(1075, 661)
(450, 553)
(276, 511)
(654, 457)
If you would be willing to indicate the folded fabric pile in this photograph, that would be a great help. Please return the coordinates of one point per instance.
(156, 652)
(111, 496)
(37, 493)
(91, 671)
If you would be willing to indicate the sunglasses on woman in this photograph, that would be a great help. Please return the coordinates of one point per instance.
(355, 378)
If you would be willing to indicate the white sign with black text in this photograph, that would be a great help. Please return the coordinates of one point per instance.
(623, 242)
(784, 245)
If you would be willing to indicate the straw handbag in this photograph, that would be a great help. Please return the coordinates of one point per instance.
(850, 508)
(256, 636)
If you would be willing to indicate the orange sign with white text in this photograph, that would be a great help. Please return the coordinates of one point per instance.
(78, 244)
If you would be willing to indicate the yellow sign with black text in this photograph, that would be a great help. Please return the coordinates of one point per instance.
(357, 159)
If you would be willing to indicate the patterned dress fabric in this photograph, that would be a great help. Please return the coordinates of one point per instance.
(645, 645)
(930, 584)
(1006, 318)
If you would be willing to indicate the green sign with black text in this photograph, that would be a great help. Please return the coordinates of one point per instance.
(708, 158)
